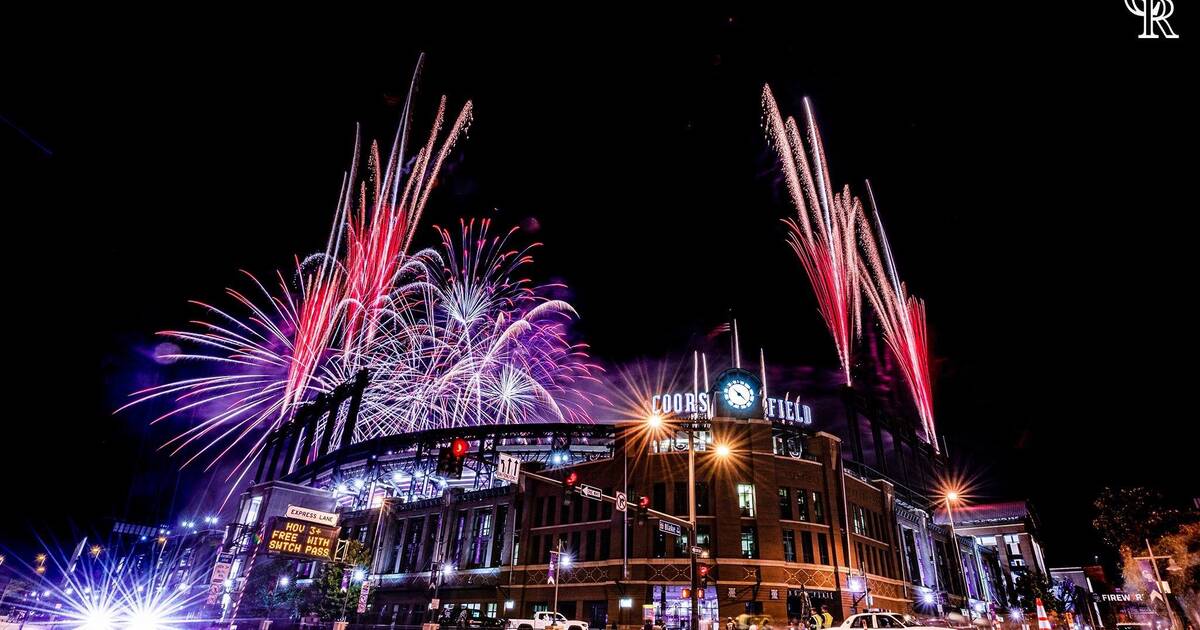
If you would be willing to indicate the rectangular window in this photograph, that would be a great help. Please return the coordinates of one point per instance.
(818, 507)
(535, 549)
(703, 535)
(910, 552)
(749, 541)
(681, 546)
(551, 504)
(702, 503)
(606, 510)
(785, 503)
(538, 507)
(822, 548)
(990, 541)
(1013, 542)
(789, 545)
(498, 536)
(589, 547)
(575, 546)
(802, 504)
(681, 497)
(605, 543)
(593, 510)
(806, 546)
(481, 536)
(659, 499)
(745, 493)
(660, 545)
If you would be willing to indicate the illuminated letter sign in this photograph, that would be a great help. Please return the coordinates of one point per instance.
(298, 539)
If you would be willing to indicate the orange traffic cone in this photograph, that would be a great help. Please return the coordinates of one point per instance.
(1043, 620)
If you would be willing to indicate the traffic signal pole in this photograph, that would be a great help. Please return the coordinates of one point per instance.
(695, 597)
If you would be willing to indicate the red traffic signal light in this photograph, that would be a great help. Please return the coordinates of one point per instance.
(459, 448)
(644, 503)
(571, 479)
(702, 570)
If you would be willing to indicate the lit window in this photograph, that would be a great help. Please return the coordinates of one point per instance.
(746, 498)
(749, 542)
(989, 541)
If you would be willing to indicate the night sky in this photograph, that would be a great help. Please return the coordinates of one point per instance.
(1029, 166)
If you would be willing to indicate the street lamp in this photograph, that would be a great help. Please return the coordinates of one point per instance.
(654, 423)
(951, 496)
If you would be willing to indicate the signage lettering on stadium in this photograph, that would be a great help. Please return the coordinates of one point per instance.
(689, 402)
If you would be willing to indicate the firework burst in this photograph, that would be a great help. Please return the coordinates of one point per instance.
(901, 316)
(451, 337)
(823, 232)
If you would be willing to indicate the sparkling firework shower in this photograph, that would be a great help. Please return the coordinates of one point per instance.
(451, 337)
(901, 316)
(823, 232)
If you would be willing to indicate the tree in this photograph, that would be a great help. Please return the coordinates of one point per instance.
(265, 596)
(1183, 572)
(326, 598)
(1032, 586)
(1126, 517)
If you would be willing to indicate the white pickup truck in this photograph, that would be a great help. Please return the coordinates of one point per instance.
(543, 620)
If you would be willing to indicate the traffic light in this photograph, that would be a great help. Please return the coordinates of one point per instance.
(570, 482)
(643, 505)
(702, 570)
(450, 460)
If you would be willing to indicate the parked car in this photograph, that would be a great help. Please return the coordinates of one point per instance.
(873, 620)
(545, 619)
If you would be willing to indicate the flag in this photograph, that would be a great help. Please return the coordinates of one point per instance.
(552, 571)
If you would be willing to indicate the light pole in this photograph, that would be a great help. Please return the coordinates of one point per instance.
(950, 497)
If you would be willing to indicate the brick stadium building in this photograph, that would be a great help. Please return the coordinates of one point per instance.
(791, 514)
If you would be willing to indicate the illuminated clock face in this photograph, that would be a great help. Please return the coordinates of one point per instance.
(739, 394)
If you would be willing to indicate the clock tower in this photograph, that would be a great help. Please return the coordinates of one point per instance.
(737, 393)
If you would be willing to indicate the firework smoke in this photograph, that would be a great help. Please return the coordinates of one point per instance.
(823, 232)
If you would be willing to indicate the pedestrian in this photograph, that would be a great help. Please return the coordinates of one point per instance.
(826, 617)
(464, 618)
(815, 621)
(648, 625)
(730, 624)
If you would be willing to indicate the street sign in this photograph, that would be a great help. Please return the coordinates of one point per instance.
(220, 573)
(697, 550)
(621, 501)
(508, 468)
(591, 492)
(313, 516)
(435, 604)
(670, 528)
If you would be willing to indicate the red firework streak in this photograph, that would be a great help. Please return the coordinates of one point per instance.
(380, 230)
(321, 292)
(823, 232)
(901, 316)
